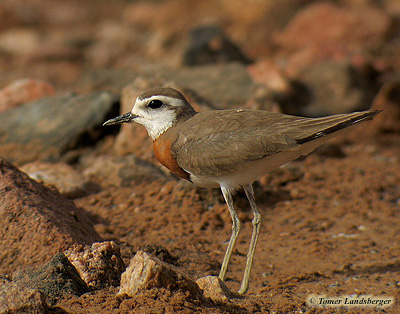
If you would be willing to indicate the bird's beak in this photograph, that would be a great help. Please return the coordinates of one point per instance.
(127, 117)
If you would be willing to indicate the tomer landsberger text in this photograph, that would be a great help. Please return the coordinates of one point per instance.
(359, 301)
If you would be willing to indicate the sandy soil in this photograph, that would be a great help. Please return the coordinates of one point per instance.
(329, 228)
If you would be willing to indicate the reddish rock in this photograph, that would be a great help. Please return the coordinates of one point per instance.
(99, 265)
(325, 30)
(18, 299)
(268, 73)
(145, 272)
(329, 24)
(24, 91)
(36, 222)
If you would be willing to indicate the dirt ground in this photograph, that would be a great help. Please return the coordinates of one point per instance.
(330, 222)
(329, 228)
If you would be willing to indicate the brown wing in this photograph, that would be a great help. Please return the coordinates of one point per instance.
(223, 141)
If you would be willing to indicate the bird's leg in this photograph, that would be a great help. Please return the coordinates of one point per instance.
(254, 236)
(227, 193)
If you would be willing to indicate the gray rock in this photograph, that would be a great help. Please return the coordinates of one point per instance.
(56, 279)
(108, 79)
(209, 44)
(335, 87)
(223, 85)
(99, 265)
(18, 299)
(46, 128)
(36, 222)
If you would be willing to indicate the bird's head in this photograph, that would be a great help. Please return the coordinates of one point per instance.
(157, 110)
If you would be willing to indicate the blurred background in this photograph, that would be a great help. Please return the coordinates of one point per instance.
(281, 41)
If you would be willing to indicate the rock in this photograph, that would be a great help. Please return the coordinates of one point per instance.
(388, 99)
(99, 265)
(214, 288)
(268, 73)
(19, 41)
(114, 40)
(56, 279)
(336, 87)
(327, 31)
(46, 128)
(68, 181)
(223, 85)
(24, 91)
(36, 222)
(331, 150)
(121, 170)
(161, 253)
(327, 25)
(209, 44)
(146, 272)
(109, 79)
(18, 299)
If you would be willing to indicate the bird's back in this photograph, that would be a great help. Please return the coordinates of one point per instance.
(219, 142)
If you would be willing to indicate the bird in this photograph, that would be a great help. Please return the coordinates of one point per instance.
(230, 148)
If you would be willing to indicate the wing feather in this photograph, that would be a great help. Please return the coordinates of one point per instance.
(224, 141)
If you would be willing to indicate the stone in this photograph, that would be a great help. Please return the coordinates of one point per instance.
(69, 182)
(44, 129)
(209, 44)
(329, 31)
(223, 85)
(113, 80)
(266, 72)
(19, 41)
(99, 265)
(36, 222)
(57, 279)
(335, 87)
(120, 170)
(330, 150)
(214, 288)
(24, 91)
(328, 24)
(16, 298)
(146, 272)
(388, 121)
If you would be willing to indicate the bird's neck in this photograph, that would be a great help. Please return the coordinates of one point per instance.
(156, 132)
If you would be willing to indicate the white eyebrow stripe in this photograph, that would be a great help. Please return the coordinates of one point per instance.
(165, 99)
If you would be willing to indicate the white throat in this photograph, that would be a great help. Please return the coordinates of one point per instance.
(159, 125)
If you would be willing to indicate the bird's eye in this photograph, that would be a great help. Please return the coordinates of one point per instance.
(154, 104)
